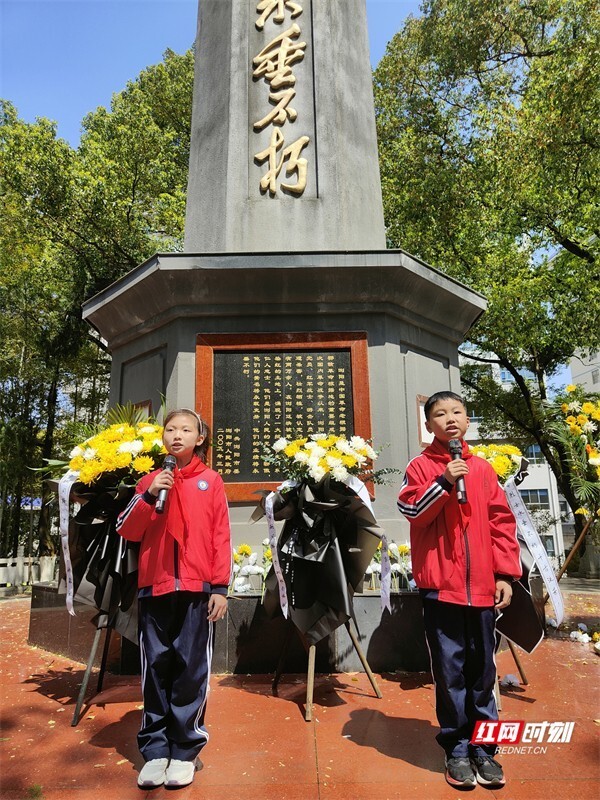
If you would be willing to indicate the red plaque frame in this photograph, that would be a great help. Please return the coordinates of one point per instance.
(354, 341)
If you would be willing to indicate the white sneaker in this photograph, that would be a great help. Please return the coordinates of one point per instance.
(153, 772)
(180, 773)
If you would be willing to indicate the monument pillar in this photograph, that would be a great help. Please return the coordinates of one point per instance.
(284, 149)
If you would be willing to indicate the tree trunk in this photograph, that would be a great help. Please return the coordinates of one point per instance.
(47, 545)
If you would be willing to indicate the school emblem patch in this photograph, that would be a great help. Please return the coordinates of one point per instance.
(203, 485)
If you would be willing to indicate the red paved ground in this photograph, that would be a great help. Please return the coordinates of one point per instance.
(261, 748)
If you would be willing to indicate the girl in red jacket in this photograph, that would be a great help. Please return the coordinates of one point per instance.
(465, 555)
(183, 577)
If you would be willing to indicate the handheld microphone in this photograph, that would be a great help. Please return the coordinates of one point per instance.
(169, 463)
(455, 447)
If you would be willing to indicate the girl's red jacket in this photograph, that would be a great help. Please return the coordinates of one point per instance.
(458, 550)
(202, 561)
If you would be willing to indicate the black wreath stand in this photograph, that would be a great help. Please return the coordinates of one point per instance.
(327, 542)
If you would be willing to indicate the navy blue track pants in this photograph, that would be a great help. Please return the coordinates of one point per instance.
(176, 643)
(462, 643)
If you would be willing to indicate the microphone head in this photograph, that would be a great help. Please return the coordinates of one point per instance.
(170, 463)
(455, 447)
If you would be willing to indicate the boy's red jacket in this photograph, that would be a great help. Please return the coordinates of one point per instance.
(458, 550)
(187, 550)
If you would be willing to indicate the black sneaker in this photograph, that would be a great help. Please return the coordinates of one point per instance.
(489, 772)
(459, 773)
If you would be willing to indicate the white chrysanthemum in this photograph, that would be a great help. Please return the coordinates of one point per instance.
(343, 445)
(280, 444)
(311, 446)
(252, 558)
(589, 426)
(265, 543)
(146, 429)
(318, 452)
(370, 452)
(131, 447)
(89, 453)
(316, 472)
(340, 473)
(317, 437)
(76, 451)
(301, 457)
(358, 442)
(333, 461)
(157, 443)
(574, 406)
(376, 567)
(393, 548)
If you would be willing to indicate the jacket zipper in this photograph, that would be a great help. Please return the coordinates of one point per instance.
(468, 559)
(176, 565)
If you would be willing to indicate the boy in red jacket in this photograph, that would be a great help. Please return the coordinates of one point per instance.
(183, 577)
(465, 556)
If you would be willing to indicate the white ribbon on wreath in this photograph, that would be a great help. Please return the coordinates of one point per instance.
(531, 537)
(64, 493)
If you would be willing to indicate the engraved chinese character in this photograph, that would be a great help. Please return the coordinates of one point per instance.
(290, 156)
(282, 111)
(274, 61)
(278, 6)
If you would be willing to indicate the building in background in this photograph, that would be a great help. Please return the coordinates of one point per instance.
(585, 371)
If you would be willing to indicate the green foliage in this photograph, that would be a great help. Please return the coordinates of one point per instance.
(489, 151)
(72, 222)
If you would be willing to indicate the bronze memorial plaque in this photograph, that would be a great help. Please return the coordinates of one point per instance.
(256, 388)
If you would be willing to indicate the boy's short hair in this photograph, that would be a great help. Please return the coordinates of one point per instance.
(435, 398)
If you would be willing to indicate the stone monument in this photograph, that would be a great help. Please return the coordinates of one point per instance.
(285, 311)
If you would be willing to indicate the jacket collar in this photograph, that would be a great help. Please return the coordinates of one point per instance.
(438, 451)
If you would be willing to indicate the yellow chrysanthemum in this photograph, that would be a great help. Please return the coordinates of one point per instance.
(268, 555)
(404, 549)
(349, 461)
(143, 464)
(502, 465)
(333, 453)
(244, 550)
(90, 472)
(588, 408)
(76, 463)
(571, 388)
(291, 449)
